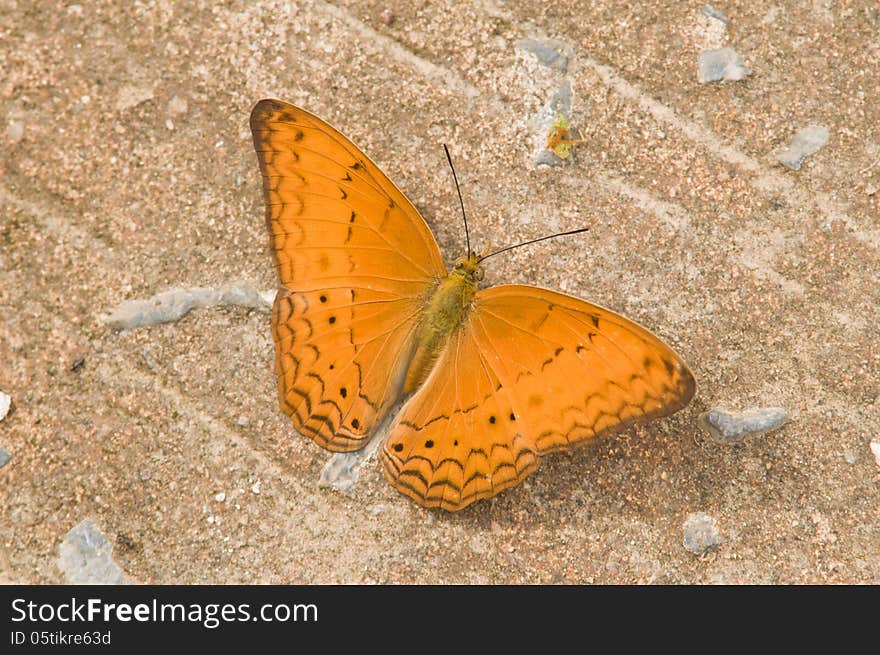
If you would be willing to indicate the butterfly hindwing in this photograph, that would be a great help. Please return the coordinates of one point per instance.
(530, 371)
(339, 362)
(355, 261)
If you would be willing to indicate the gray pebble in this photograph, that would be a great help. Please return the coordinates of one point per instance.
(85, 557)
(173, 305)
(732, 427)
(5, 456)
(804, 143)
(549, 52)
(243, 421)
(341, 471)
(700, 533)
(850, 456)
(717, 14)
(721, 65)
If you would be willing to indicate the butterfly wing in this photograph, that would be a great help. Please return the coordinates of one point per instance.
(355, 262)
(529, 372)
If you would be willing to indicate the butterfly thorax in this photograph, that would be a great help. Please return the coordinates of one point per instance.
(445, 312)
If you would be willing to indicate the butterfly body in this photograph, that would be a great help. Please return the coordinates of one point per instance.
(367, 315)
(444, 314)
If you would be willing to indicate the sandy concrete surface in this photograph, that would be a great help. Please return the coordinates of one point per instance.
(127, 170)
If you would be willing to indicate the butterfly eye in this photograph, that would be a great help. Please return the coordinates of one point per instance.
(478, 274)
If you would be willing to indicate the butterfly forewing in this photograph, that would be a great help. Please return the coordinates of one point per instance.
(355, 263)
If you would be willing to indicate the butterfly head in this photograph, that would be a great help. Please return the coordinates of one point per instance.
(468, 268)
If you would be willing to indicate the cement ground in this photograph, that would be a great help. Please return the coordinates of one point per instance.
(127, 169)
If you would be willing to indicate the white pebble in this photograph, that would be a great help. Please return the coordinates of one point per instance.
(5, 402)
(220, 497)
(700, 533)
(255, 487)
(15, 131)
(875, 450)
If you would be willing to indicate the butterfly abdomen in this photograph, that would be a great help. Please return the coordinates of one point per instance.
(445, 312)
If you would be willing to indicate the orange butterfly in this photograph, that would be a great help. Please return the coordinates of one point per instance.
(367, 314)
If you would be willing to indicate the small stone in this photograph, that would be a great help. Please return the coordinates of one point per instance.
(145, 475)
(243, 421)
(711, 12)
(169, 124)
(875, 450)
(850, 456)
(342, 469)
(732, 427)
(210, 520)
(255, 487)
(220, 497)
(172, 305)
(15, 131)
(804, 143)
(871, 189)
(5, 403)
(549, 52)
(86, 557)
(5, 456)
(386, 17)
(700, 533)
(375, 510)
(721, 65)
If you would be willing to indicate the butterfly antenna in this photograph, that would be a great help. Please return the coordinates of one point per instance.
(467, 235)
(526, 243)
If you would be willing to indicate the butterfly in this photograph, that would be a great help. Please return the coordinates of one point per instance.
(367, 314)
